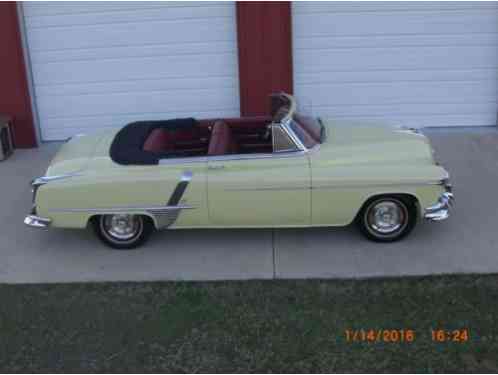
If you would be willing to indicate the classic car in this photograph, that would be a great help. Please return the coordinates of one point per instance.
(281, 170)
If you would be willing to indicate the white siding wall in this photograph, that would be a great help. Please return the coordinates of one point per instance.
(421, 64)
(103, 64)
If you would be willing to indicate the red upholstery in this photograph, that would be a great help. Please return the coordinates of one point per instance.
(239, 124)
(222, 141)
(163, 140)
(159, 140)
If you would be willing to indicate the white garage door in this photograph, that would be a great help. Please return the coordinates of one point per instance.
(420, 64)
(103, 64)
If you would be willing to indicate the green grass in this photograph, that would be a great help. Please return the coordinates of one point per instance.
(260, 326)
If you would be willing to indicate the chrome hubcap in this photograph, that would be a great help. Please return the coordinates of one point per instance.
(122, 227)
(386, 217)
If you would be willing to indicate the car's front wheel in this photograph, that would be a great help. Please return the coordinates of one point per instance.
(387, 218)
(123, 231)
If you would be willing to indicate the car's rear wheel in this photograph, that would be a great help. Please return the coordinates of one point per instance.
(123, 231)
(387, 218)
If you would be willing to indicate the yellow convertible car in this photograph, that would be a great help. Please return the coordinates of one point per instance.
(283, 170)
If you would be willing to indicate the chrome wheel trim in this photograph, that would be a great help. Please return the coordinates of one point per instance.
(386, 217)
(121, 228)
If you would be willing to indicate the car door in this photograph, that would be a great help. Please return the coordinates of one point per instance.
(259, 190)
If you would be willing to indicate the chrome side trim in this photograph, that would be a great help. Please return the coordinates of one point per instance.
(154, 209)
(34, 221)
(367, 184)
(204, 159)
(46, 179)
(349, 186)
(74, 136)
(278, 155)
(193, 159)
(441, 210)
(180, 189)
(279, 188)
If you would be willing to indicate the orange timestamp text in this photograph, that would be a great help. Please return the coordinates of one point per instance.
(380, 335)
(405, 335)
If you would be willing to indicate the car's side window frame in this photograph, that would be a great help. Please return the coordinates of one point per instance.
(191, 159)
(281, 140)
(283, 130)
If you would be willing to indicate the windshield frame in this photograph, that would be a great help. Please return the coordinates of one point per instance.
(303, 138)
(302, 134)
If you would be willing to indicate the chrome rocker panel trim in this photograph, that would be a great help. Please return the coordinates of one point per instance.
(37, 222)
(163, 216)
(441, 210)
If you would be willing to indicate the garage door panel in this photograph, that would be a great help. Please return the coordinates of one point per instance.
(160, 11)
(42, 57)
(68, 8)
(135, 102)
(134, 68)
(421, 121)
(374, 23)
(130, 61)
(335, 41)
(389, 6)
(405, 109)
(396, 92)
(485, 75)
(95, 36)
(431, 64)
(138, 85)
(393, 58)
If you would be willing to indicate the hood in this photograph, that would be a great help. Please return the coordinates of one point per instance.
(76, 154)
(352, 142)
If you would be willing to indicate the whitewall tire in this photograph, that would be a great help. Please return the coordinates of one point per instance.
(123, 231)
(387, 218)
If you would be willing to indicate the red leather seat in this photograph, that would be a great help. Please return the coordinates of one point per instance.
(222, 141)
(159, 140)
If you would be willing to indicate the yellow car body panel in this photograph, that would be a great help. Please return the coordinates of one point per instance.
(357, 162)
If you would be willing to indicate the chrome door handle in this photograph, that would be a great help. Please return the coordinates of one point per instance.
(216, 167)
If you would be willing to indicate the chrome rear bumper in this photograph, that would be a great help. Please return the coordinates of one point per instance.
(441, 210)
(36, 221)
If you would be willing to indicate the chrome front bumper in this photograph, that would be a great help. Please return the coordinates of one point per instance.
(36, 221)
(32, 220)
(441, 210)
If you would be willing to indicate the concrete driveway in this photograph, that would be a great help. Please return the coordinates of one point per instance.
(466, 243)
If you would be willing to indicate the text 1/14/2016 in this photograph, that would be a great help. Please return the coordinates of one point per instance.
(404, 335)
(380, 335)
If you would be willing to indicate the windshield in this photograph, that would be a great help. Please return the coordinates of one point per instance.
(307, 129)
